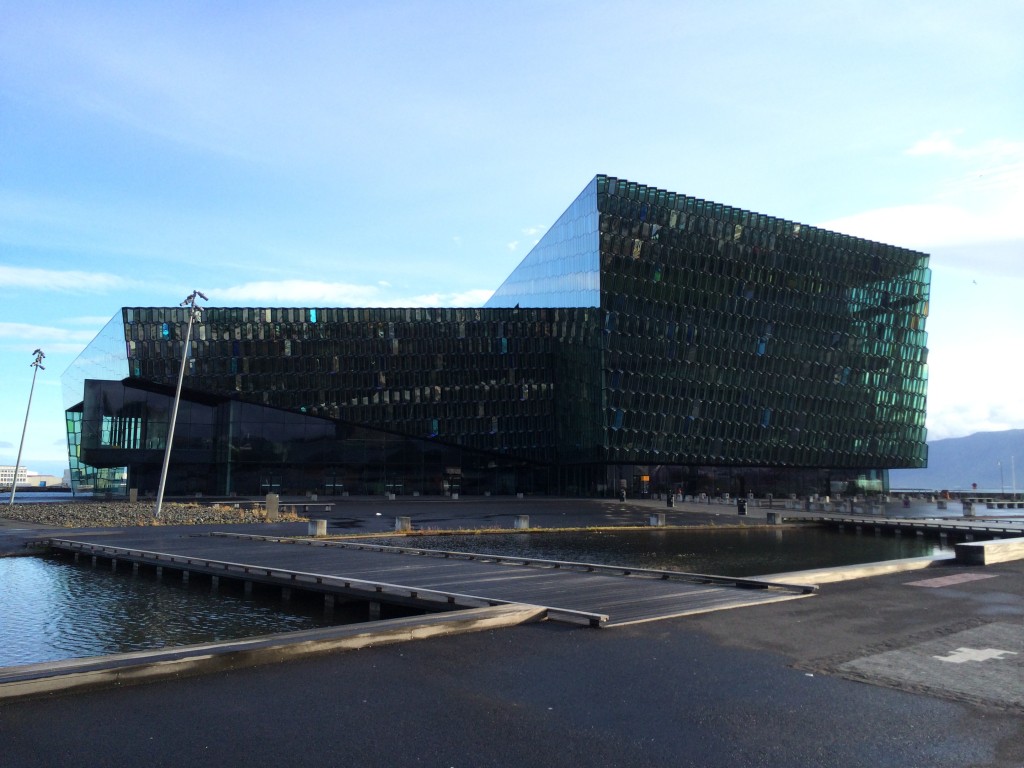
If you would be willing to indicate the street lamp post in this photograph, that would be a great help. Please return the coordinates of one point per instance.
(36, 365)
(193, 313)
(1002, 484)
(1013, 478)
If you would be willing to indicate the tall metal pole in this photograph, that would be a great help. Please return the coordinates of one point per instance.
(1002, 484)
(36, 365)
(1013, 477)
(193, 312)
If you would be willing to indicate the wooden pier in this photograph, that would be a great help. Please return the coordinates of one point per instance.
(963, 527)
(596, 595)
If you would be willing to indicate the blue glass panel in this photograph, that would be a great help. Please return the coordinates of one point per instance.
(563, 269)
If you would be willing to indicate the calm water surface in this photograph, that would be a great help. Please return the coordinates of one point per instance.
(54, 609)
(729, 552)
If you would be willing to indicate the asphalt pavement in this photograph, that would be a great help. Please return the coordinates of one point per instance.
(923, 668)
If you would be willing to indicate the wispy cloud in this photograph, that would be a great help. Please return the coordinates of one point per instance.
(297, 293)
(938, 143)
(472, 298)
(978, 201)
(64, 281)
(513, 245)
(41, 333)
(52, 339)
(304, 293)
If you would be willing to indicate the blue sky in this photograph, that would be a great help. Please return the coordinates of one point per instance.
(410, 153)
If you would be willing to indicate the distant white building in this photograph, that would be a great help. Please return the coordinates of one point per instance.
(47, 481)
(7, 475)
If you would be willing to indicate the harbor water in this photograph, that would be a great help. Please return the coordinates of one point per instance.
(53, 608)
(754, 551)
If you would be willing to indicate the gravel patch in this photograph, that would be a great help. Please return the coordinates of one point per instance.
(106, 514)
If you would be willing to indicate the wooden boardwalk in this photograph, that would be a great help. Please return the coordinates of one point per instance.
(593, 594)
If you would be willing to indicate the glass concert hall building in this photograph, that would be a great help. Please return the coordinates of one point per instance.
(650, 341)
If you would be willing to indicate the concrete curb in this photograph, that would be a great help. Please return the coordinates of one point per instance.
(144, 666)
(861, 571)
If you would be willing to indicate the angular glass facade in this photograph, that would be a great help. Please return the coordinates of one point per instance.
(650, 340)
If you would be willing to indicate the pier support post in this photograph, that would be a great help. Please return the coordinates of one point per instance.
(374, 610)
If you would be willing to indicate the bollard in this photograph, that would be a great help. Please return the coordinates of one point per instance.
(522, 522)
(741, 506)
(317, 528)
(133, 495)
(403, 524)
(657, 519)
(670, 501)
(273, 507)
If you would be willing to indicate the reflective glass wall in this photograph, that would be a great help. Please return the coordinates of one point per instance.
(103, 359)
(563, 269)
(647, 330)
(735, 338)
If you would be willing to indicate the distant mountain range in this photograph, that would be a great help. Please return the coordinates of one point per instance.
(957, 462)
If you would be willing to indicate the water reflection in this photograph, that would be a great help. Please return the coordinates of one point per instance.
(53, 609)
(729, 552)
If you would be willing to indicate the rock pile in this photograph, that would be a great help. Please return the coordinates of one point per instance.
(104, 514)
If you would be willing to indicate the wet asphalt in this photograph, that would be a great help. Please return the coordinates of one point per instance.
(861, 674)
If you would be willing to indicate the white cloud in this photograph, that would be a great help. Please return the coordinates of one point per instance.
(979, 201)
(304, 293)
(513, 245)
(937, 144)
(44, 333)
(64, 281)
(297, 293)
(22, 338)
(949, 419)
(475, 297)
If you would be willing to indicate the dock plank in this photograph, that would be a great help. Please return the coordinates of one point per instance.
(624, 599)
